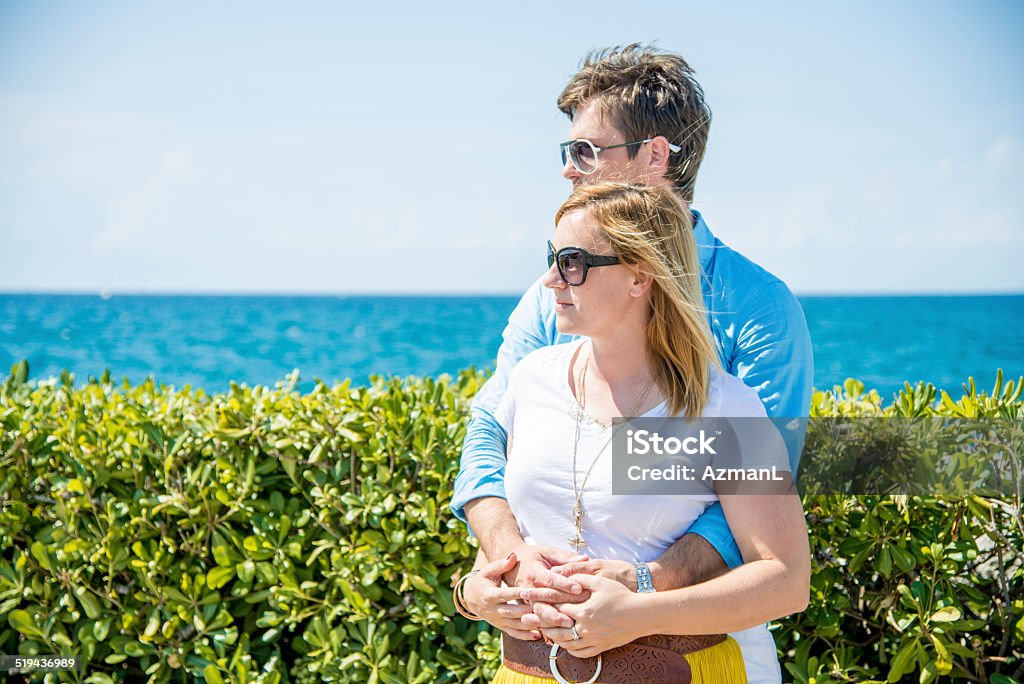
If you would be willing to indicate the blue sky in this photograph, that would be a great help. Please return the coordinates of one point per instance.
(320, 148)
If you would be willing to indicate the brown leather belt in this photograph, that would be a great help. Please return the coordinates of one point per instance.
(656, 659)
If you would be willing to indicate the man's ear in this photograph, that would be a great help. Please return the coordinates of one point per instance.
(659, 155)
(642, 281)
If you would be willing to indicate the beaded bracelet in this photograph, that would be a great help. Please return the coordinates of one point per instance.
(460, 599)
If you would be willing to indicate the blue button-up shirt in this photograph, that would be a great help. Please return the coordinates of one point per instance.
(762, 338)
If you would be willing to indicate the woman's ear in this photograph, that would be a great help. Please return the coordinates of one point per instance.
(642, 281)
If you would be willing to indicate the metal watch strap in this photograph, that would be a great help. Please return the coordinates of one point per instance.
(644, 585)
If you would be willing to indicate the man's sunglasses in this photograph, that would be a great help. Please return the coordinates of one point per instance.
(583, 153)
(574, 262)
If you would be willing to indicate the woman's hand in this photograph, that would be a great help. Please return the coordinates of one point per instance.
(610, 617)
(485, 597)
(546, 616)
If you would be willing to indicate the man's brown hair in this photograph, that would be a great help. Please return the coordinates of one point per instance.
(645, 92)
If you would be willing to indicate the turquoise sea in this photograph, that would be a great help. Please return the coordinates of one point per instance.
(208, 341)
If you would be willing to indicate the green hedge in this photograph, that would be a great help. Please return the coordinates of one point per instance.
(267, 535)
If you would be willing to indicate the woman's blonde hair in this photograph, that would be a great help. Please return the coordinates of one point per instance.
(650, 228)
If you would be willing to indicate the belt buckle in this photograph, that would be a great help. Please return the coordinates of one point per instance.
(558, 675)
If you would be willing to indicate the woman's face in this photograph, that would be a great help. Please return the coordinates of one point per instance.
(598, 305)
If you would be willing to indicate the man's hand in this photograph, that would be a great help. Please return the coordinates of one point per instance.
(622, 572)
(496, 604)
(535, 569)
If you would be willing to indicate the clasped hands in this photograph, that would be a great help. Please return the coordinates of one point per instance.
(547, 591)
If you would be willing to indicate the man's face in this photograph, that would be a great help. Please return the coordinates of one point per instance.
(612, 165)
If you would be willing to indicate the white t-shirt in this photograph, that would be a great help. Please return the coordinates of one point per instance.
(537, 413)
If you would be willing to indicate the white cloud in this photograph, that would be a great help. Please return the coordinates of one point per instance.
(1003, 152)
(145, 210)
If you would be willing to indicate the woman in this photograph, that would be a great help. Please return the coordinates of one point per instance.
(624, 274)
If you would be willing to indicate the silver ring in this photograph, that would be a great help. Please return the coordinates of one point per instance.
(558, 675)
(575, 634)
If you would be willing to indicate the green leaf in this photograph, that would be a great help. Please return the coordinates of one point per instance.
(19, 372)
(907, 595)
(858, 560)
(314, 454)
(288, 463)
(947, 614)
(101, 629)
(153, 625)
(229, 434)
(903, 661)
(218, 577)
(885, 561)
(23, 622)
(224, 555)
(904, 559)
(418, 582)
(41, 556)
(943, 663)
(1002, 679)
(89, 603)
(99, 678)
(212, 674)
(245, 571)
(965, 625)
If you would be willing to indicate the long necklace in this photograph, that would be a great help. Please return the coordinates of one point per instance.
(577, 510)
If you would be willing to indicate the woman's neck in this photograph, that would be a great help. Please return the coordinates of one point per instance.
(613, 377)
(622, 361)
(618, 350)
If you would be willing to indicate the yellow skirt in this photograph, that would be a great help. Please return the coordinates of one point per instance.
(722, 663)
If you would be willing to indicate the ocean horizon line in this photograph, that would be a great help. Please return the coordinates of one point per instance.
(108, 294)
(210, 338)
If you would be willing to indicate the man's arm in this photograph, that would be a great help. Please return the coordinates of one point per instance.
(692, 559)
(773, 355)
(482, 470)
(498, 528)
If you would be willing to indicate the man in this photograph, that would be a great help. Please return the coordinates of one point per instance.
(637, 115)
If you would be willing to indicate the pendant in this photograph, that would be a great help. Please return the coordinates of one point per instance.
(577, 520)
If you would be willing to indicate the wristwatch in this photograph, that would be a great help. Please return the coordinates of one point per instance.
(644, 585)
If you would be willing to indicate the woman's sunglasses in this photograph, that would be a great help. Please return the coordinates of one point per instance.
(583, 153)
(574, 262)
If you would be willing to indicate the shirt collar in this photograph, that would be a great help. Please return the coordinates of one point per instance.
(705, 241)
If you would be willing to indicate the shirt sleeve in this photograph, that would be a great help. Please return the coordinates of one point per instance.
(773, 355)
(482, 469)
(711, 525)
(505, 412)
